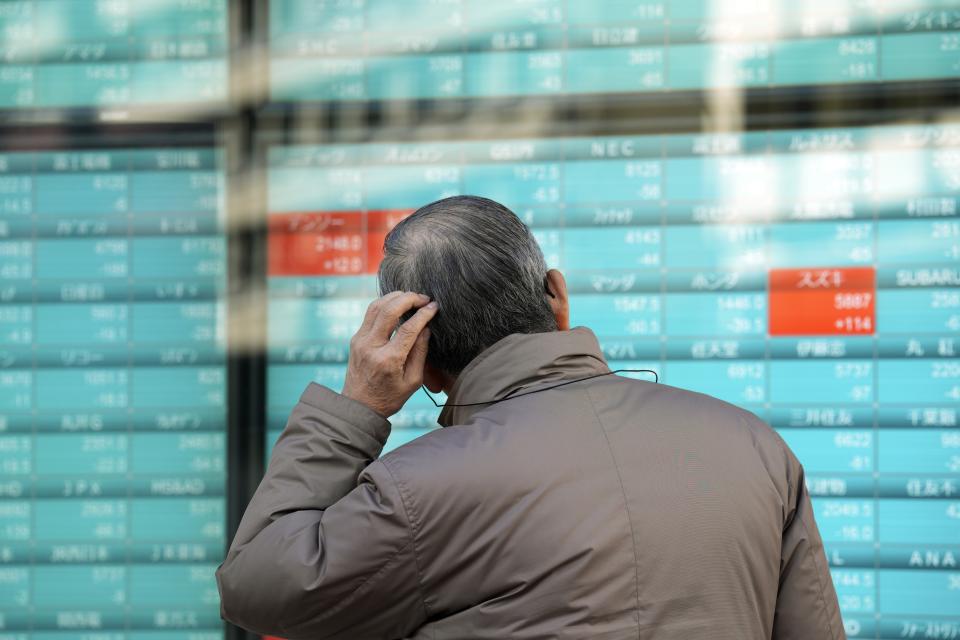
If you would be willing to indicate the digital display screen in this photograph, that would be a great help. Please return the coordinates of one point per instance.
(112, 53)
(355, 50)
(810, 276)
(112, 392)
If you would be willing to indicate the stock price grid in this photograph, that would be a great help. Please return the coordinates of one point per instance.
(810, 276)
(352, 50)
(112, 53)
(112, 393)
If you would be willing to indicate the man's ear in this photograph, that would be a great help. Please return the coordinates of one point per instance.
(556, 294)
(433, 380)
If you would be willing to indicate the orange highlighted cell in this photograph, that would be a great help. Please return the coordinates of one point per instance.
(822, 301)
(328, 243)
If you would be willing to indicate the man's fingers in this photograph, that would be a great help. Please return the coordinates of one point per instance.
(407, 334)
(373, 309)
(390, 312)
(413, 371)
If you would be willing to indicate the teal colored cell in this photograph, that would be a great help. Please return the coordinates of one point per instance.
(315, 189)
(183, 387)
(827, 60)
(815, 244)
(917, 522)
(500, 14)
(173, 586)
(822, 381)
(305, 321)
(917, 311)
(179, 81)
(516, 185)
(81, 194)
(744, 183)
(623, 247)
(904, 174)
(16, 86)
(429, 17)
(856, 591)
(732, 247)
(105, 84)
(310, 16)
(414, 77)
(17, 514)
(740, 382)
(918, 242)
(917, 592)
(318, 79)
(82, 455)
(697, 66)
(906, 56)
(177, 519)
(931, 381)
(72, 325)
(595, 181)
(514, 73)
(832, 450)
(181, 323)
(172, 18)
(188, 193)
(16, 392)
(76, 259)
(81, 586)
(287, 381)
(617, 315)
(15, 588)
(178, 453)
(715, 314)
(82, 389)
(918, 451)
(408, 187)
(616, 12)
(845, 520)
(615, 70)
(178, 257)
(80, 520)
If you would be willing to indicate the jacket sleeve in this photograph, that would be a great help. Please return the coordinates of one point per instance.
(325, 549)
(807, 607)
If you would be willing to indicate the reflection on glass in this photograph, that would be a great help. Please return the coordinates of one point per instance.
(385, 50)
(112, 53)
(810, 276)
(112, 391)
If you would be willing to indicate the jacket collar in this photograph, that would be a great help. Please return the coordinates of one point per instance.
(522, 360)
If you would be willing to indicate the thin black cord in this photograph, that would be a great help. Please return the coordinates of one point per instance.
(656, 379)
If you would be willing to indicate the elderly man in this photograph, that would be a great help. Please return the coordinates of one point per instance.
(557, 502)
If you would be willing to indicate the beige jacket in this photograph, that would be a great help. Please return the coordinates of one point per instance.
(607, 509)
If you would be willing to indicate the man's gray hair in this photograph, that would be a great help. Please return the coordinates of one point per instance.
(481, 264)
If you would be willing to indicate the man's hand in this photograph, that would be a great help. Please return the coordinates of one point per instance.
(383, 372)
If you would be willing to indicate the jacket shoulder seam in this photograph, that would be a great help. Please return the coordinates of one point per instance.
(626, 507)
(820, 595)
(414, 526)
(370, 580)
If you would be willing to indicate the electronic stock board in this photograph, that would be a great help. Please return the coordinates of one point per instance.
(112, 54)
(440, 49)
(693, 263)
(112, 391)
(810, 276)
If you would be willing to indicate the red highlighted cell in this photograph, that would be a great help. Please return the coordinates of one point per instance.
(379, 224)
(822, 301)
(328, 243)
